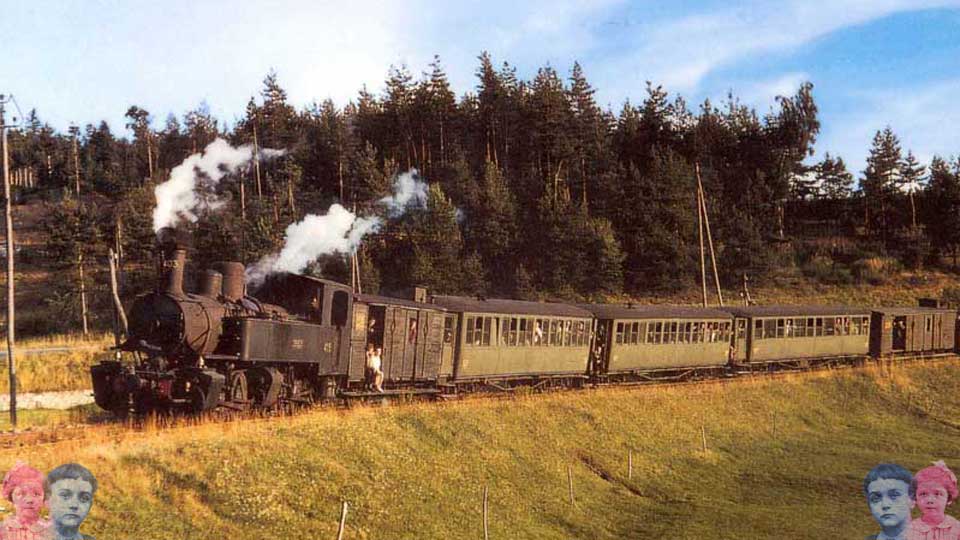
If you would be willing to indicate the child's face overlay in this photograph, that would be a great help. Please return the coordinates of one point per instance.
(889, 501)
(28, 499)
(932, 498)
(70, 501)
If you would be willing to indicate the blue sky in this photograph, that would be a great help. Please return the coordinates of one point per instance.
(872, 63)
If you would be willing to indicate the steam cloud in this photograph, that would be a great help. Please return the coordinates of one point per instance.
(178, 198)
(337, 231)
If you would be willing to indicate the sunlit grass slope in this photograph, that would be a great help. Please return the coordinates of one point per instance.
(785, 459)
(42, 367)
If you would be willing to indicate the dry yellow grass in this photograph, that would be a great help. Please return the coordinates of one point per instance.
(784, 458)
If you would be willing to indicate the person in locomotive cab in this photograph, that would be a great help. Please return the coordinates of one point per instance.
(887, 488)
(69, 489)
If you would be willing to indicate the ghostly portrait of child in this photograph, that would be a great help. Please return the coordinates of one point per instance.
(934, 488)
(887, 488)
(23, 486)
(70, 489)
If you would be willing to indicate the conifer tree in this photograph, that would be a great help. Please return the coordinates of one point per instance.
(910, 180)
(879, 180)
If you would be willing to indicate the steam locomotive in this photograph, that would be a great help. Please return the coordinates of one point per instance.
(299, 339)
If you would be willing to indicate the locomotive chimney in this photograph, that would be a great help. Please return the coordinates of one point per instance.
(234, 279)
(173, 257)
(212, 284)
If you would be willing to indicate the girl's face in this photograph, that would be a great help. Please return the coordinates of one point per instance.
(28, 500)
(932, 498)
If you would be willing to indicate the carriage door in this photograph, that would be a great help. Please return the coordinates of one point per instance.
(449, 341)
(899, 333)
(411, 335)
(739, 341)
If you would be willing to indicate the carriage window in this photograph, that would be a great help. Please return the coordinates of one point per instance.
(469, 326)
(539, 332)
(819, 326)
(412, 330)
(828, 326)
(567, 334)
(487, 324)
(340, 308)
(758, 329)
(522, 332)
(553, 338)
(619, 334)
(855, 326)
(651, 332)
(448, 330)
(769, 328)
(512, 331)
(672, 335)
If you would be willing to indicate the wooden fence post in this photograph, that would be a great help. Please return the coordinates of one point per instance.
(629, 464)
(486, 531)
(703, 438)
(570, 483)
(343, 520)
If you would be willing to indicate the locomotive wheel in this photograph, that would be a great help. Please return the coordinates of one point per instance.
(238, 387)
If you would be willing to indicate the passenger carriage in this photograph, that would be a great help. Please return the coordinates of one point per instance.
(496, 341)
(799, 336)
(659, 341)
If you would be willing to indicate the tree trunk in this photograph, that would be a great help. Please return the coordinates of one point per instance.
(256, 162)
(83, 293)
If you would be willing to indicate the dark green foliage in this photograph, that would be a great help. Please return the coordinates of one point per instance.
(941, 213)
(535, 190)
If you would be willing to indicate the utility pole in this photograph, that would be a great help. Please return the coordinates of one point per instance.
(706, 223)
(10, 308)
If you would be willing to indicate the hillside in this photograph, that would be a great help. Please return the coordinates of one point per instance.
(784, 458)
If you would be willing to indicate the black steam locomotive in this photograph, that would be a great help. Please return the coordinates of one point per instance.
(298, 339)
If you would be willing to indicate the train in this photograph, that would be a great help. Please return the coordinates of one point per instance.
(300, 339)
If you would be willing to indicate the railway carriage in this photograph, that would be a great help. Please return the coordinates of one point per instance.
(517, 340)
(659, 341)
(912, 330)
(799, 336)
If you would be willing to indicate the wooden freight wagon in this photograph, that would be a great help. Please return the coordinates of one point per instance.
(912, 330)
(514, 339)
(410, 333)
(798, 336)
(672, 340)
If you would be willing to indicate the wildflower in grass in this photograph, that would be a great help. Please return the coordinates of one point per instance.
(934, 488)
(887, 488)
(23, 486)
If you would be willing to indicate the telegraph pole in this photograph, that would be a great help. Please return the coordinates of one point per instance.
(10, 308)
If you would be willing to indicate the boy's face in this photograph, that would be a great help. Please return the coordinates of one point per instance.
(70, 501)
(28, 499)
(932, 498)
(889, 501)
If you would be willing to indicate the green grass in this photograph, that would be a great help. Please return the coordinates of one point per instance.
(785, 458)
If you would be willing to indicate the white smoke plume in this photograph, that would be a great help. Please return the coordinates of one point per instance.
(337, 231)
(192, 183)
(407, 189)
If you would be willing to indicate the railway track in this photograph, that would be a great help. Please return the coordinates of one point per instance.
(102, 429)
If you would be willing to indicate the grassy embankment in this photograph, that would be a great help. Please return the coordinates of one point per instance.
(785, 459)
(54, 370)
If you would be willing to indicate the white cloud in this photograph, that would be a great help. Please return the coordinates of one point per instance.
(923, 118)
(680, 53)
